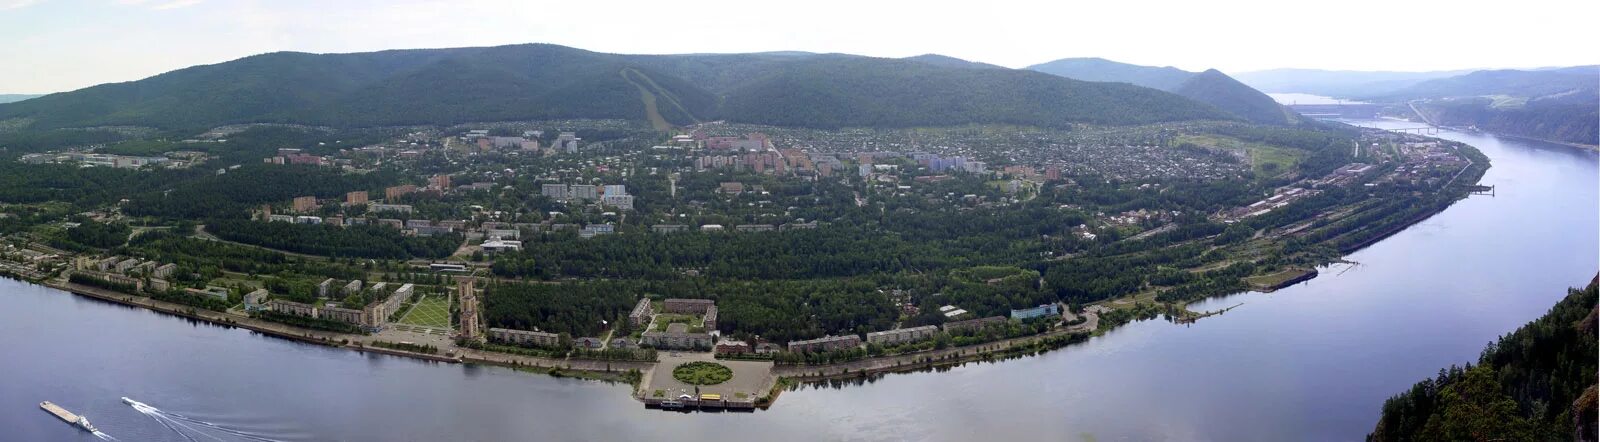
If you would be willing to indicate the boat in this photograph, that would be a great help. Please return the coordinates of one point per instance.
(68, 417)
(671, 404)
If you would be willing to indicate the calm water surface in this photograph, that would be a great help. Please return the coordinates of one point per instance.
(1311, 362)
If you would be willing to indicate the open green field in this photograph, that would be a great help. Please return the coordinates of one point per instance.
(1266, 160)
(430, 311)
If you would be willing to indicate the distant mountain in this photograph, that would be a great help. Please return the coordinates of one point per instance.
(1554, 104)
(1099, 69)
(950, 62)
(12, 98)
(1508, 82)
(1218, 89)
(1338, 84)
(541, 81)
(1210, 87)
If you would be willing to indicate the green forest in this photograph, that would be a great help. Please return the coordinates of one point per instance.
(1536, 383)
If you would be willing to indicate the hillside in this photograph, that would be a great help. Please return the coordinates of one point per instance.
(540, 81)
(950, 62)
(858, 91)
(1210, 87)
(440, 86)
(1536, 383)
(1218, 89)
(1100, 69)
(12, 98)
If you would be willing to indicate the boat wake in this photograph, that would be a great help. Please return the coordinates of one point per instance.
(103, 436)
(178, 423)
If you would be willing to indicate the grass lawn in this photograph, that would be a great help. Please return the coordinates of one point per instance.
(430, 311)
(702, 373)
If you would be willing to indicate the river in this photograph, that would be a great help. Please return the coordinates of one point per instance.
(1310, 362)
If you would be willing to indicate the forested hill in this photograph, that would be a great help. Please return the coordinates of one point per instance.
(857, 91)
(540, 81)
(1099, 69)
(1218, 89)
(1536, 383)
(12, 98)
(1211, 87)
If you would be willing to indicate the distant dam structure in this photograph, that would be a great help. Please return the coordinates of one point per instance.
(1344, 110)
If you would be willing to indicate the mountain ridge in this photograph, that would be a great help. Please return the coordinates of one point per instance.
(544, 81)
(1211, 86)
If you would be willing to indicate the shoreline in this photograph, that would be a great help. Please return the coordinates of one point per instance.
(616, 370)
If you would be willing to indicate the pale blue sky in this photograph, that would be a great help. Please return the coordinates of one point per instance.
(58, 45)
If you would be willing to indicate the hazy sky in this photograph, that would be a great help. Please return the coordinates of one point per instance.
(57, 45)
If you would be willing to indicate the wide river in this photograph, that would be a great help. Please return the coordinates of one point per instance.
(1310, 362)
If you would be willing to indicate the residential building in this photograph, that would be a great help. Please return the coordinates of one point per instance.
(687, 306)
(586, 192)
(554, 191)
(292, 308)
(401, 208)
(826, 343)
(1042, 310)
(354, 287)
(524, 337)
(669, 228)
(354, 198)
(502, 233)
(974, 324)
(341, 314)
(439, 182)
(214, 292)
(495, 246)
(305, 204)
(325, 288)
(597, 229)
(754, 228)
(902, 335)
(624, 202)
(255, 300)
(677, 336)
(164, 271)
(729, 346)
(641, 313)
(398, 191)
